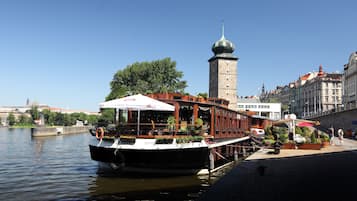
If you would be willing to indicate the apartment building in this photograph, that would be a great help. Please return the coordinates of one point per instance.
(350, 82)
(312, 94)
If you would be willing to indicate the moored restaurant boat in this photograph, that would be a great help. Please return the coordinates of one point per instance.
(171, 133)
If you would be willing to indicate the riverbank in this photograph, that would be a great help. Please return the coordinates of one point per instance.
(326, 174)
(58, 130)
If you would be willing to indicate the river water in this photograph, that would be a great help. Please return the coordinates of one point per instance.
(60, 168)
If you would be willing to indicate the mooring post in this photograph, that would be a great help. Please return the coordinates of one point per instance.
(235, 155)
(211, 160)
(244, 151)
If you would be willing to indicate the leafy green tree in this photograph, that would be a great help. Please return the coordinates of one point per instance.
(58, 119)
(204, 95)
(81, 116)
(106, 117)
(68, 120)
(55, 118)
(34, 112)
(147, 77)
(11, 119)
(49, 117)
(24, 120)
(92, 119)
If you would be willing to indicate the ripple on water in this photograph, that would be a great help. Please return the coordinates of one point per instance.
(60, 168)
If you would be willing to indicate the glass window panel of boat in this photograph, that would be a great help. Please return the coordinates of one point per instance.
(205, 114)
(156, 116)
(186, 113)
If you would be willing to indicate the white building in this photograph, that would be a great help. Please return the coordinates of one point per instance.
(350, 82)
(269, 110)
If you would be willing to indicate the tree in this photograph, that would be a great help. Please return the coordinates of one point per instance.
(147, 77)
(11, 119)
(24, 120)
(34, 112)
(49, 117)
(92, 119)
(68, 120)
(58, 119)
(106, 117)
(204, 95)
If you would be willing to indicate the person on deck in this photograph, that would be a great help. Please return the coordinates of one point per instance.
(332, 135)
(340, 135)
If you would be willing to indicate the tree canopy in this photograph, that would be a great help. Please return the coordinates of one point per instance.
(147, 77)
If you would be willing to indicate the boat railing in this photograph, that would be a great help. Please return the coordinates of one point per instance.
(147, 130)
(151, 129)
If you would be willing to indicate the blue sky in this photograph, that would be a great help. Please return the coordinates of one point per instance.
(64, 53)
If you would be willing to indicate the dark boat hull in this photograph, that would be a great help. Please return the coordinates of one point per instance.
(164, 159)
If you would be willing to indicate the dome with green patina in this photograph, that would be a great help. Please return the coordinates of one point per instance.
(223, 46)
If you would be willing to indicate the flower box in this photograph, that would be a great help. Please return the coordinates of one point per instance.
(325, 144)
(309, 146)
(288, 146)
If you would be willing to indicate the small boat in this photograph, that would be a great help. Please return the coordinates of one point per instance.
(171, 133)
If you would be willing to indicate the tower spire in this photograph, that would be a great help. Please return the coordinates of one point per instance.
(222, 29)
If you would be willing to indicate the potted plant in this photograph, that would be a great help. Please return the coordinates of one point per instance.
(198, 125)
(171, 121)
(201, 99)
(325, 140)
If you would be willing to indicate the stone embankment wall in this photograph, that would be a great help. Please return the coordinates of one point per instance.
(347, 120)
(60, 130)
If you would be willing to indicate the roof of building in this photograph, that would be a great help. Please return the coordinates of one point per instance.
(250, 99)
(223, 46)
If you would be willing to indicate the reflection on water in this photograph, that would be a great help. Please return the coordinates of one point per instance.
(60, 168)
(110, 185)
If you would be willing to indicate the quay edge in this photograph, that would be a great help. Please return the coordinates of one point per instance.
(326, 174)
(58, 130)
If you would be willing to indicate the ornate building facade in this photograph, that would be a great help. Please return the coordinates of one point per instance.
(311, 95)
(350, 82)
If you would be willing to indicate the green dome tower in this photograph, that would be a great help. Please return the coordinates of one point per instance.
(223, 71)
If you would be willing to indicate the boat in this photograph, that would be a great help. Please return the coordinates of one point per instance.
(171, 133)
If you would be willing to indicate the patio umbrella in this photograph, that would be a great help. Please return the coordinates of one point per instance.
(137, 103)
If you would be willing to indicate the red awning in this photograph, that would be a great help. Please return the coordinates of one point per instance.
(304, 124)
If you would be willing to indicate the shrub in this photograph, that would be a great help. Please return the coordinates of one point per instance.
(267, 130)
(306, 131)
(298, 130)
(313, 139)
(324, 137)
(268, 141)
(171, 122)
(284, 138)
